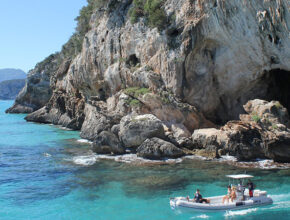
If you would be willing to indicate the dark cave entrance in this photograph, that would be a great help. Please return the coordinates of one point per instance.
(279, 87)
(273, 85)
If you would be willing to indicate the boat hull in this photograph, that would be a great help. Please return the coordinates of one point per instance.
(218, 206)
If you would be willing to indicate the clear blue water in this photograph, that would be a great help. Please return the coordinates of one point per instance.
(39, 180)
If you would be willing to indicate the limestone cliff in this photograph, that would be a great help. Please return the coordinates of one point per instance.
(202, 64)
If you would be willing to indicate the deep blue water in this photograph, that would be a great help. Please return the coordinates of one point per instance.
(41, 177)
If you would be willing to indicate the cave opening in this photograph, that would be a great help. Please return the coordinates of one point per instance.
(279, 87)
(273, 85)
(132, 60)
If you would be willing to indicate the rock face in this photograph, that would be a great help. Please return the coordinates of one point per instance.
(37, 90)
(155, 148)
(10, 88)
(134, 130)
(107, 143)
(203, 64)
(261, 134)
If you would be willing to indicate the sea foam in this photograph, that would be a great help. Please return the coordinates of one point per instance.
(240, 212)
(204, 216)
(84, 141)
(87, 160)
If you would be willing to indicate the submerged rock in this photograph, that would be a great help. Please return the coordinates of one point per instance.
(107, 143)
(134, 130)
(156, 148)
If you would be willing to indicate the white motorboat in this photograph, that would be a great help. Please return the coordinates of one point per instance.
(242, 201)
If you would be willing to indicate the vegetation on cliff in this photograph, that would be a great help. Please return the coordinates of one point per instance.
(151, 10)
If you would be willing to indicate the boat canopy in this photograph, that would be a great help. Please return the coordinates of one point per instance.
(239, 176)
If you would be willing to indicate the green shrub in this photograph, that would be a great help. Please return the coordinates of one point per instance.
(256, 118)
(155, 14)
(136, 91)
(137, 10)
(278, 105)
(135, 103)
(150, 9)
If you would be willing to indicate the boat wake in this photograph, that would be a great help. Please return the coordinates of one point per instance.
(200, 217)
(281, 197)
(239, 212)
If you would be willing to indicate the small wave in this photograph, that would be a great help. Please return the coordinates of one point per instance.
(133, 158)
(194, 157)
(66, 129)
(46, 154)
(228, 158)
(240, 212)
(200, 216)
(84, 141)
(264, 164)
(259, 163)
(87, 160)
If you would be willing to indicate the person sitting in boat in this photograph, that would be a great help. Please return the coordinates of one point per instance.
(198, 198)
(227, 197)
(251, 188)
(233, 194)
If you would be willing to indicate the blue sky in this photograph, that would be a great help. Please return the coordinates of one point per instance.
(30, 30)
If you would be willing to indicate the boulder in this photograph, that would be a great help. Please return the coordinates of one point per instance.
(18, 108)
(202, 138)
(267, 112)
(107, 143)
(263, 133)
(279, 148)
(135, 129)
(40, 116)
(245, 141)
(115, 129)
(180, 131)
(96, 121)
(156, 148)
(209, 152)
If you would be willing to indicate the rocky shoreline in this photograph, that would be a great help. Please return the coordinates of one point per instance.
(262, 133)
(194, 85)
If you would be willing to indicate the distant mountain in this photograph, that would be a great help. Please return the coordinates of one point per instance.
(9, 89)
(8, 74)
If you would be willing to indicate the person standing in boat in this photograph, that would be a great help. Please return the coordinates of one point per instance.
(251, 188)
(241, 189)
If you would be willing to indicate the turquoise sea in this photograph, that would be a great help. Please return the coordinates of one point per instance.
(47, 173)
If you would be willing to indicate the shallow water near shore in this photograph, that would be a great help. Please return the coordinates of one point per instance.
(48, 173)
